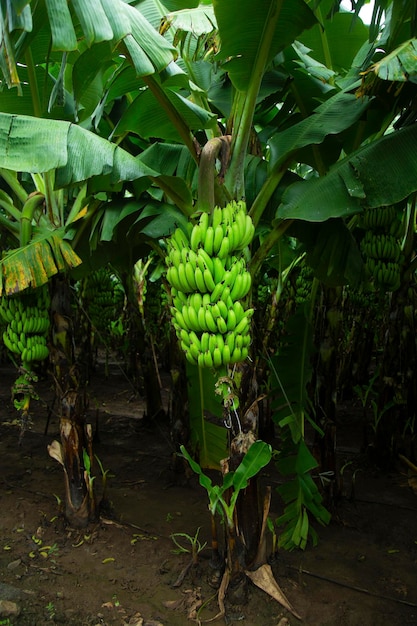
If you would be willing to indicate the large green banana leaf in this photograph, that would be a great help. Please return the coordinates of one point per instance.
(334, 116)
(381, 173)
(102, 20)
(243, 26)
(337, 43)
(29, 144)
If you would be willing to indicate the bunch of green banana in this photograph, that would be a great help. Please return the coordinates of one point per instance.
(380, 246)
(208, 276)
(303, 284)
(27, 324)
(103, 297)
(386, 274)
(379, 217)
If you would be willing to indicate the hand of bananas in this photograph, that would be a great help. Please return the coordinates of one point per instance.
(27, 324)
(208, 277)
(380, 246)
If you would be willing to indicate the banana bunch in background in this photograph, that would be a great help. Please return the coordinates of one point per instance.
(208, 275)
(380, 246)
(303, 284)
(27, 324)
(103, 298)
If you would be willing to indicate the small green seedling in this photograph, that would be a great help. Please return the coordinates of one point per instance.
(195, 546)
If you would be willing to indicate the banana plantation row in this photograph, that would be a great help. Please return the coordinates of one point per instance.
(232, 200)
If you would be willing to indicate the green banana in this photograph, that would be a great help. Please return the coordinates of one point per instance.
(196, 237)
(199, 279)
(204, 260)
(217, 357)
(190, 275)
(204, 224)
(210, 321)
(218, 238)
(208, 241)
(217, 217)
(208, 280)
(218, 270)
(224, 248)
(226, 356)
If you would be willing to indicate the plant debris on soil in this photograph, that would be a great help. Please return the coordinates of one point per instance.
(125, 568)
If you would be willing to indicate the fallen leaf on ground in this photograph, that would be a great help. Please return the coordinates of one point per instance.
(264, 579)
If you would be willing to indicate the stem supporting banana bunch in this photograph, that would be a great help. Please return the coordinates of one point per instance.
(209, 280)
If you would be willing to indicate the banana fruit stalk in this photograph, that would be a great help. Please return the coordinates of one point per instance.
(208, 276)
(27, 324)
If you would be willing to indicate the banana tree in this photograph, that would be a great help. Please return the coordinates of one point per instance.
(49, 187)
(262, 95)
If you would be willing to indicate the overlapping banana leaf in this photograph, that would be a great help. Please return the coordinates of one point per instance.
(400, 65)
(363, 179)
(252, 33)
(30, 144)
(291, 371)
(98, 21)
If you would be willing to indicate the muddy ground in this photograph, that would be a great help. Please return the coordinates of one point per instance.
(123, 569)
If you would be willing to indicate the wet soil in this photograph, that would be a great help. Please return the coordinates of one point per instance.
(122, 570)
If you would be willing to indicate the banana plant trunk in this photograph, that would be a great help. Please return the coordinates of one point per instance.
(76, 441)
(142, 361)
(76, 435)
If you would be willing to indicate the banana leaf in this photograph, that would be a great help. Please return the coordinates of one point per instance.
(332, 117)
(381, 173)
(34, 264)
(242, 25)
(400, 65)
(209, 437)
(29, 144)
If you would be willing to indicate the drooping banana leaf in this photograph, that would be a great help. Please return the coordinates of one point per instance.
(34, 264)
(101, 20)
(381, 173)
(30, 144)
(332, 252)
(400, 65)
(147, 118)
(209, 435)
(332, 117)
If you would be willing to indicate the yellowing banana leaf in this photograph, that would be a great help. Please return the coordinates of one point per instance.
(198, 21)
(34, 264)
